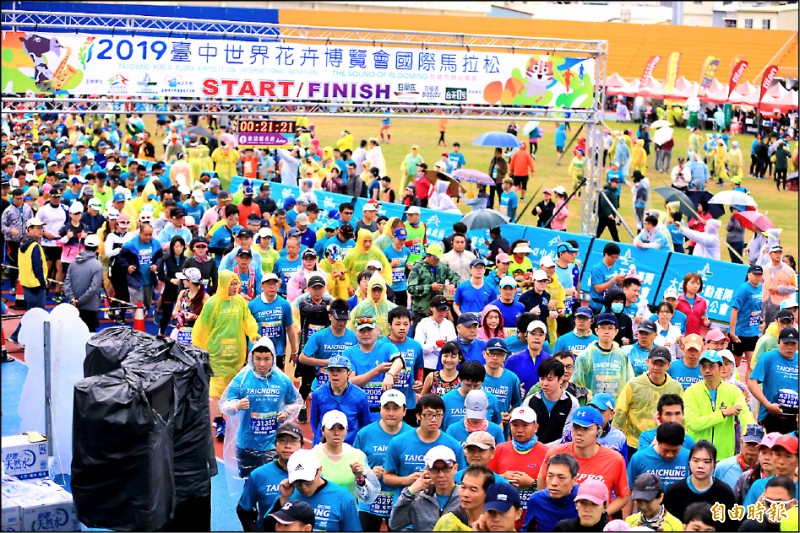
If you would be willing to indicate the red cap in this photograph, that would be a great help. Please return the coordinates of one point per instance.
(787, 442)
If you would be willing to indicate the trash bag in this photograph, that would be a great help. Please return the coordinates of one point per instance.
(122, 466)
(106, 350)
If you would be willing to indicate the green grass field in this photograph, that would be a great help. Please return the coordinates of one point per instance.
(782, 208)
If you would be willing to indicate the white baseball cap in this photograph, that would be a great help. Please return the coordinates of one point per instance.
(92, 241)
(374, 263)
(198, 195)
(183, 189)
(331, 418)
(76, 207)
(95, 203)
(670, 293)
(303, 465)
(540, 275)
(526, 414)
(112, 214)
(413, 210)
(393, 396)
(546, 261)
(537, 324)
(437, 453)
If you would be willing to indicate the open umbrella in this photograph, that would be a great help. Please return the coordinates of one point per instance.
(672, 194)
(659, 124)
(733, 198)
(498, 139)
(200, 131)
(483, 219)
(473, 176)
(529, 127)
(228, 139)
(662, 135)
(696, 197)
(454, 187)
(753, 220)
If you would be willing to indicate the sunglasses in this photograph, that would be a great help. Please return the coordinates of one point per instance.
(201, 246)
(444, 469)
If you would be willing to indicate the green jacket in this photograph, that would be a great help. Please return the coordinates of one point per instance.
(603, 209)
(705, 422)
(420, 280)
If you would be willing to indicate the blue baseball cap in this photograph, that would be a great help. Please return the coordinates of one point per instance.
(496, 344)
(339, 361)
(584, 312)
(501, 497)
(587, 416)
(712, 356)
(334, 214)
(606, 318)
(119, 197)
(603, 401)
(754, 433)
(400, 233)
(565, 247)
(289, 202)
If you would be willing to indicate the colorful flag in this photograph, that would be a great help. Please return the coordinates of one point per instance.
(736, 75)
(648, 70)
(707, 73)
(672, 72)
(766, 81)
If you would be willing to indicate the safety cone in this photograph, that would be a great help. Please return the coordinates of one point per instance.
(138, 318)
(19, 298)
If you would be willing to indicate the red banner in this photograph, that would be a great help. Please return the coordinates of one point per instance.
(766, 81)
(648, 70)
(736, 75)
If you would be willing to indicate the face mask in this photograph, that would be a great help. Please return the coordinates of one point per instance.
(616, 308)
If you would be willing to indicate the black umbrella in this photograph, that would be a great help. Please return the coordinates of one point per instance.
(672, 194)
(715, 210)
(200, 131)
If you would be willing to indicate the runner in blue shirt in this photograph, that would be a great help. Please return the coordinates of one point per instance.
(686, 370)
(501, 382)
(668, 459)
(471, 375)
(334, 506)
(508, 305)
(329, 342)
(288, 265)
(525, 364)
(668, 409)
(773, 382)
(638, 352)
(340, 395)
(274, 317)
(509, 200)
(374, 441)
(397, 254)
(578, 339)
(746, 316)
(467, 338)
(602, 277)
(405, 454)
(261, 488)
(410, 379)
(475, 293)
(476, 410)
(376, 367)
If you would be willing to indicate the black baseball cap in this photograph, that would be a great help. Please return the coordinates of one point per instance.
(785, 315)
(648, 326)
(755, 269)
(647, 487)
(606, 318)
(316, 281)
(178, 213)
(288, 428)
(468, 319)
(244, 232)
(346, 229)
(340, 313)
(788, 335)
(659, 353)
(295, 511)
(439, 302)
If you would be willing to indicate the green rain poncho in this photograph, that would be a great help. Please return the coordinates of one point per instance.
(601, 371)
(355, 261)
(222, 329)
(368, 307)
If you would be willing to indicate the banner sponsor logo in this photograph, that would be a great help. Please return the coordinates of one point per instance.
(649, 67)
(710, 66)
(672, 72)
(151, 66)
(766, 81)
(736, 75)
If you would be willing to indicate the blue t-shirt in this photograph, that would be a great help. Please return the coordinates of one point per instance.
(684, 375)
(412, 356)
(599, 274)
(638, 358)
(406, 453)
(648, 460)
(472, 300)
(525, 368)
(509, 201)
(291, 217)
(365, 362)
(510, 313)
(573, 342)
(374, 441)
(458, 431)
(284, 268)
(334, 508)
(677, 236)
(472, 351)
(506, 388)
(399, 281)
(647, 437)
(454, 408)
(195, 211)
(747, 300)
(324, 345)
(261, 490)
(457, 160)
(775, 373)
(273, 320)
(548, 404)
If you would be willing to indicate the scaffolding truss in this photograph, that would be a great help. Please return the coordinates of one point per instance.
(17, 20)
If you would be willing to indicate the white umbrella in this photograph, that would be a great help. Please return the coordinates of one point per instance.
(530, 126)
(733, 198)
(662, 135)
(659, 124)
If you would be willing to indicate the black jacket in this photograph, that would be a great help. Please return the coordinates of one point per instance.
(552, 423)
(574, 524)
(624, 322)
(603, 207)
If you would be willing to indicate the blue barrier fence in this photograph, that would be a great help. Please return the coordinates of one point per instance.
(658, 269)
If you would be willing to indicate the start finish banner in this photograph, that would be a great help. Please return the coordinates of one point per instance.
(85, 64)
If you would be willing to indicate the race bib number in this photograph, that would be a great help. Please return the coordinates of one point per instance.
(398, 275)
(322, 376)
(185, 335)
(382, 505)
(523, 498)
(754, 319)
(311, 329)
(374, 390)
(271, 329)
(263, 423)
(416, 249)
(205, 283)
(145, 257)
(404, 380)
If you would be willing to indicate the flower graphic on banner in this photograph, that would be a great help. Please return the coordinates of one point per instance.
(85, 51)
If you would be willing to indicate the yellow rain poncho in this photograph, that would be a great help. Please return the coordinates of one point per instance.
(634, 418)
(338, 281)
(557, 296)
(225, 164)
(194, 156)
(638, 156)
(222, 329)
(382, 240)
(369, 307)
(720, 155)
(355, 261)
(735, 160)
(345, 142)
